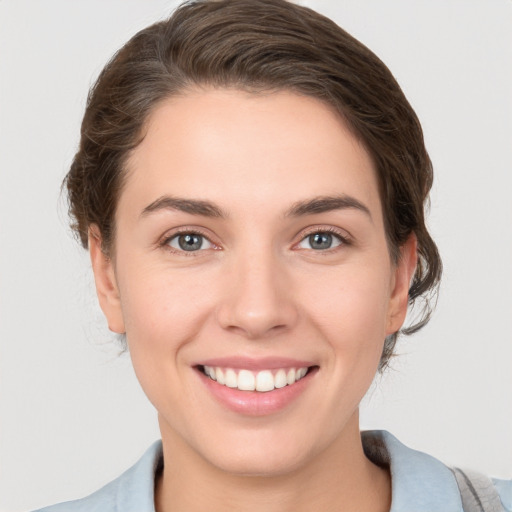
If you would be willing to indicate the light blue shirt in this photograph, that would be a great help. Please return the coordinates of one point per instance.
(420, 483)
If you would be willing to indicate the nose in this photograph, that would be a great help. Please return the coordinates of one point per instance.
(257, 299)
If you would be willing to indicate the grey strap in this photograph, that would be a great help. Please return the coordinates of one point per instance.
(477, 492)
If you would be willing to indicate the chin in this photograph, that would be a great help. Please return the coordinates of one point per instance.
(261, 463)
(264, 453)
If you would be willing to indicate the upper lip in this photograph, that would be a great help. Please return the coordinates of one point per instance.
(255, 364)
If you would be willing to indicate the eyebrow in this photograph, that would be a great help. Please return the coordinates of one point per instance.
(312, 206)
(192, 206)
(323, 204)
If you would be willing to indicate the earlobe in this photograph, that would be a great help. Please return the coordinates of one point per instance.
(403, 273)
(106, 283)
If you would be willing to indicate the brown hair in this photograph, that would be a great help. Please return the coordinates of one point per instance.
(258, 45)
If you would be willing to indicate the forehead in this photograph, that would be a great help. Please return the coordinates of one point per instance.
(242, 148)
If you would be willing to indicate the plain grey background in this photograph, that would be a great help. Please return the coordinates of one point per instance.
(72, 414)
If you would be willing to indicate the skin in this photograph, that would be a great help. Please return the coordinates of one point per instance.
(257, 288)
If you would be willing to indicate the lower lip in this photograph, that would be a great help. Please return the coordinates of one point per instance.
(256, 403)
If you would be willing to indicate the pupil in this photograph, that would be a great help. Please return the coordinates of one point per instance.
(320, 241)
(190, 242)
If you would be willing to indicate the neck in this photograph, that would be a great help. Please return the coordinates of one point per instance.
(340, 478)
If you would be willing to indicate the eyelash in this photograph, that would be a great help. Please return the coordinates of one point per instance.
(342, 237)
(165, 243)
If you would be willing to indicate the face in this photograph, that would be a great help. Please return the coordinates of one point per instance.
(252, 277)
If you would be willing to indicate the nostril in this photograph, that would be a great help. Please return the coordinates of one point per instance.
(259, 303)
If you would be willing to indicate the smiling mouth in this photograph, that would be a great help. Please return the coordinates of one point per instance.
(262, 381)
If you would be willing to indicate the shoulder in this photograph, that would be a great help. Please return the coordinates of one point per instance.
(133, 491)
(419, 481)
(504, 488)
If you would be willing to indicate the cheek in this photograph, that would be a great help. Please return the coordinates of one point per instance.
(163, 311)
(354, 303)
(160, 307)
(350, 310)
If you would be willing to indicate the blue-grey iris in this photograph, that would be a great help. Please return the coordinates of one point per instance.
(190, 242)
(319, 241)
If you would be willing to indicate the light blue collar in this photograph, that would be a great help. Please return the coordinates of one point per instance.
(136, 491)
(419, 482)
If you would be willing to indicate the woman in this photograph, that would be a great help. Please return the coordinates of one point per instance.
(251, 184)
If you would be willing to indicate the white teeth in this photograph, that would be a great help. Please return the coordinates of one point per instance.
(290, 376)
(231, 380)
(280, 379)
(262, 381)
(246, 381)
(219, 376)
(301, 372)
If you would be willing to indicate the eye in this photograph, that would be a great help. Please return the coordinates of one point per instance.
(189, 242)
(321, 241)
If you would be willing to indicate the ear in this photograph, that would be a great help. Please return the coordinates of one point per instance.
(106, 284)
(403, 273)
